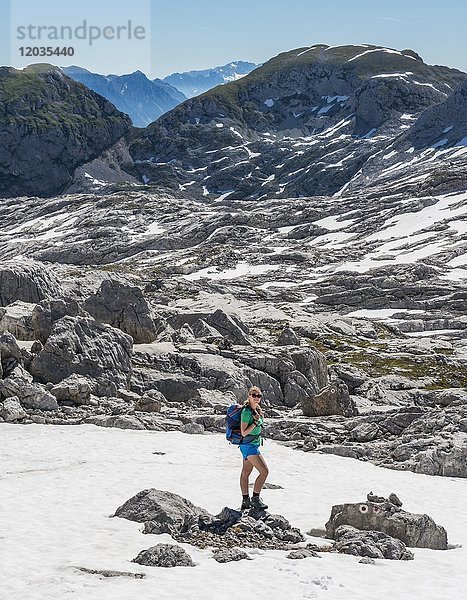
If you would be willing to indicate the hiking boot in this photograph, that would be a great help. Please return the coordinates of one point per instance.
(246, 504)
(258, 504)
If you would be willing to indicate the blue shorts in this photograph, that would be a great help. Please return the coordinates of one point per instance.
(249, 450)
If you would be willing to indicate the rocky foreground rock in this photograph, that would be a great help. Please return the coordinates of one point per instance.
(380, 530)
(416, 531)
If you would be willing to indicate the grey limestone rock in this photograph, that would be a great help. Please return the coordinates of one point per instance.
(29, 282)
(332, 400)
(193, 428)
(118, 421)
(150, 403)
(111, 573)
(16, 318)
(229, 327)
(31, 395)
(80, 345)
(230, 555)
(124, 307)
(47, 312)
(288, 337)
(11, 410)
(302, 553)
(74, 388)
(164, 555)
(414, 530)
(161, 511)
(10, 354)
(371, 544)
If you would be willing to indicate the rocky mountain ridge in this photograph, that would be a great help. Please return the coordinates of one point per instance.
(305, 123)
(49, 126)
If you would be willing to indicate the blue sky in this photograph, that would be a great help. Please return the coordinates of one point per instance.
(196, 34)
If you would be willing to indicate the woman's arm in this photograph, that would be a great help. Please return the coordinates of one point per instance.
(246, 429)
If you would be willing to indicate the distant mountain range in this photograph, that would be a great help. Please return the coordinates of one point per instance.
(193, 83)
(322, 120)
(134, 94)
(146, 100)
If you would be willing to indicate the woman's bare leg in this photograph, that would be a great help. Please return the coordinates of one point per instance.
(245, 474)
(259, 463)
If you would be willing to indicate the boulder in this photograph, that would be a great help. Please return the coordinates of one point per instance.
(16, 318)
(81, 345)
(450, 461)
(371, 544)
(47, 312)
(352, 376)
(10, 354)
(215, 399)
(11, 410)
(229, 327)
(29, 282)
(192, 428)
(184, 335)
(404, 417)
(151, 403)
(230, 555)
(164, 555)
(117, 421)
(124, 307)
(311, 363)
(162, 512)
(175, 387)
(31, 395)
(296, 387)
(332, 400)
(448, 397)
(74, 389)
(302, 553)
(415, 530)
(217, 371)
(365, 432)
(288, 337)
(203, 330)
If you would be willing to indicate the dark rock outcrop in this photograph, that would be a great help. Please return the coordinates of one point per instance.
(373, 544)
(29, 282)
(124, 307)
(162, 512)
(31, 395)
(49, 125)
(79, 345)
(333, 400)
(416, 531)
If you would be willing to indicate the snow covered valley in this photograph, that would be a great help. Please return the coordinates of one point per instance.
(60, 484)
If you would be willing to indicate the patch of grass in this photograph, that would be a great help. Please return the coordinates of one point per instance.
(413, 367)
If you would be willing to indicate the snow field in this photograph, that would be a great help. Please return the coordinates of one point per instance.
(59, 484)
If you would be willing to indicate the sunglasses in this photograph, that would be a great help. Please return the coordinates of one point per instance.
(256, 395)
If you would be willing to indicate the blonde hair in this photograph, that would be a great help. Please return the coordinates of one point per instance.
(253, 389)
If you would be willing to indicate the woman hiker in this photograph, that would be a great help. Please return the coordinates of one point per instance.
(250, 429)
